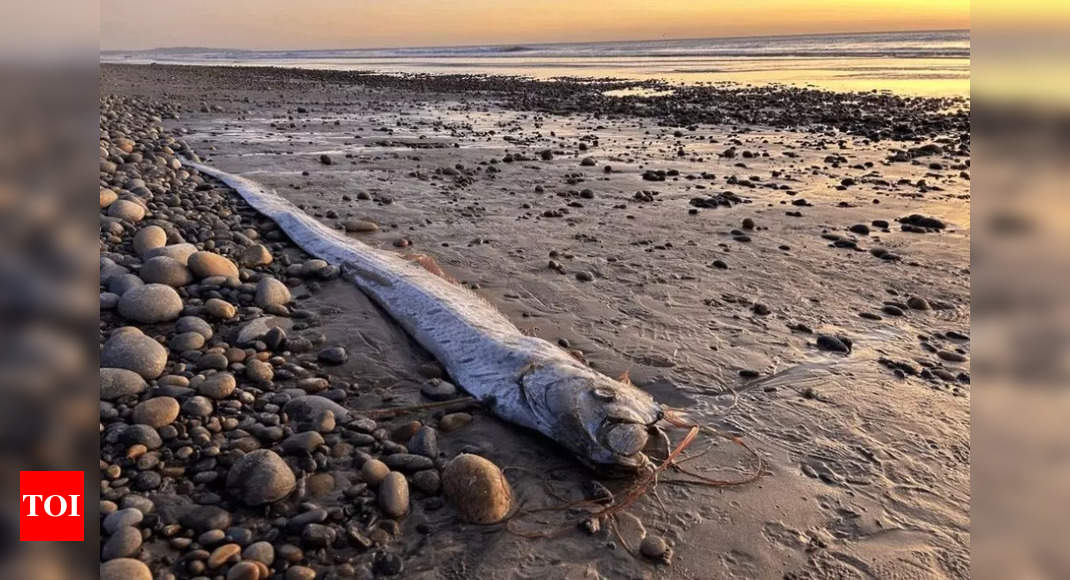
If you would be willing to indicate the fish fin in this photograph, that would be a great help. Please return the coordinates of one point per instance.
(624, 378)
(428, 263)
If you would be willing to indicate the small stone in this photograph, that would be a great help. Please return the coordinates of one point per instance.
(244, 571)
(125, 569)
(121, 519)
(217, 386)
(125, 542)
(186, 341)
(950, 356)
(300, 573)
(127, 210)
(427, 481)
(149, 238)
(360, 226)
(259, 371)
(156, 412)
(438, 390)
(832, 343)
(194, 324)
(918, 303)
(306, 441)
(136, 352)
(454, 421)
(260, 477)
(655, 548)
(374, 471)
(334, 355)
(585, 276)
(116, 383)
(167, 271)
(220, 309)
(270, 291)
(326, 159)
(477, 489)
(223, 554)
(150, 303)
(202, 518)
(107, 197)
(394, 495)
(180, 252)
(197, 406)
(256, 255)
(261, 552)
(424, 442)
(204, 264)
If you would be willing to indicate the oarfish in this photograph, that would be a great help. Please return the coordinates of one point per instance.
(522, 379)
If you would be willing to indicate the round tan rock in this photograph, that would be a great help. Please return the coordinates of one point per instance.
(256, 255)
(156, 412)
(220, 309)
(150, 303)
(373, 471)
(394, 495)
(166, 271)
(217, 386)
(361, 226)
(245, 571)
(125, 569)
(107, 197)
(149, 238)
(180, 252)
(223, 554)
(204, 264)
(477, 489)
(271, 292)
(125, 209)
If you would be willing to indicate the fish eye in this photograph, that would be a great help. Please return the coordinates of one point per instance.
(604, 394)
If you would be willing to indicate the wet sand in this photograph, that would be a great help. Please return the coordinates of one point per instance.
(867, 451)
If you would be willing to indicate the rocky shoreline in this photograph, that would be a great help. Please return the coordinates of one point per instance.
(226, 448)
(790, 266)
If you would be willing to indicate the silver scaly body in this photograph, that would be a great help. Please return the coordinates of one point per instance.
(525, 380)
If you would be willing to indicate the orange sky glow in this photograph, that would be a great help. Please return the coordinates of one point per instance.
(287, 24)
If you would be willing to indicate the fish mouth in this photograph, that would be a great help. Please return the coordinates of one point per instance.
(625, 440)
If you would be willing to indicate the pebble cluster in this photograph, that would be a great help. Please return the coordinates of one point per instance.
(227, 448)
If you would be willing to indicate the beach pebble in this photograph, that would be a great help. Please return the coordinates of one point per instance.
(394, 495)
(107, 197)
(121, 519)
(260, 477)
(244, 571)
(334, 355)
(156, 412)
(134, 351)
(373, 472)
(194, 324)
(125, 569)
(270, 292)
(149, 238)
(360, 226)
(918, 303)
(120, 382)
(300, 573)
(125, 542)
(201, 518)
(655, 548)
(259, 371)
(167, 271)
(197, 406)
(150, 303)
(127, 210)
(221, 309)
(204, 264)
(262, 552)
(438, 390)
(186, 341)
(217, 386)
(833, 343)
(477, 489)
(180, 252)
(453, 421)
(256, 255)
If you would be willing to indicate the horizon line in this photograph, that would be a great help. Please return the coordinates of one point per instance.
(730, 37)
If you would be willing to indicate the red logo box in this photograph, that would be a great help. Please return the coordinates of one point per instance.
(51, 506)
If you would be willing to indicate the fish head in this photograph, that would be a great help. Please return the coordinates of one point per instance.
(605, 422)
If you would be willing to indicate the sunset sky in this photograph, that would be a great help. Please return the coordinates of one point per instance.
(292, 24)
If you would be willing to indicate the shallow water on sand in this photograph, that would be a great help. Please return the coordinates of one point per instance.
(867, 474)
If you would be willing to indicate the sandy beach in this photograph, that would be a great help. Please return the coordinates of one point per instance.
(785, 265)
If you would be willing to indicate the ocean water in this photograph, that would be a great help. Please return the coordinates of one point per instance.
(912, 63)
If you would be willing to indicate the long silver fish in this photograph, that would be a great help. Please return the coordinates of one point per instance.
(522, 379)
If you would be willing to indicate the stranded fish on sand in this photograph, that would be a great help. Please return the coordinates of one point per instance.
(522, 379)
